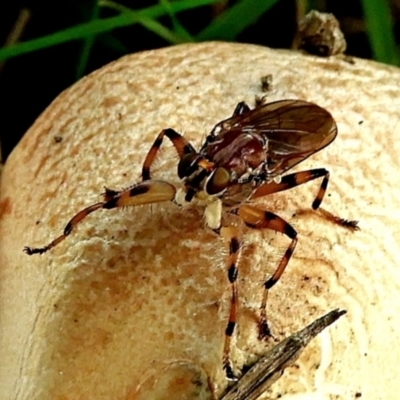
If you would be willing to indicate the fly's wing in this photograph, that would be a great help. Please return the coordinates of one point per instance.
(293, 130)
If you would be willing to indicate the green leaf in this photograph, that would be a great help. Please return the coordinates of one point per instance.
(380, 31)
(149, 23)
(87, 45)
(159, 29)
(98, 26)
(177, 26)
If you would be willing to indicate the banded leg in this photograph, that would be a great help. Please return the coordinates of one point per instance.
(259, 219)
(142, 193)
(181, 145)
(299, 178)
(232, 237)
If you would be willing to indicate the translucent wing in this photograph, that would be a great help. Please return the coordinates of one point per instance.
(292, 129)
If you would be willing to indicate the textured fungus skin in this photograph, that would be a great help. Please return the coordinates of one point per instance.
(138, 293)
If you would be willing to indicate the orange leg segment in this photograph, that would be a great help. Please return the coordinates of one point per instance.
(259, 219)
(144, 193)
(181, 145)
(292, 180)
(298, 178)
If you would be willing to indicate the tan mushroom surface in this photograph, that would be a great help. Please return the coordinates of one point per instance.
(134, 303)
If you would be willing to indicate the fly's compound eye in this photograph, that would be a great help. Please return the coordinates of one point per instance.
(188, 165)
(217, 182)
(210, 138)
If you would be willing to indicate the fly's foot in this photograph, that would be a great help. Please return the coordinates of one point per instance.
(108, 193)
(32, 250)
(230, 376)
(264, 333)
(352, 225)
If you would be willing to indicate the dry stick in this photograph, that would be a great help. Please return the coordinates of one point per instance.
(17, 30)
(271, 367)
(12, 38)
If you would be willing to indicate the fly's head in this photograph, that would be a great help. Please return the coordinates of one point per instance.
(228, 166)
(202, 177)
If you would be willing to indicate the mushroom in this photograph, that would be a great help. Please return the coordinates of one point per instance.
(139, 297)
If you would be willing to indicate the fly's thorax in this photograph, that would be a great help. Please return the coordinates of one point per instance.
(237, 152)
(227, 166)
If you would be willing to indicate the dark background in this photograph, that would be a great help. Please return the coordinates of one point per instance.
(28, 83)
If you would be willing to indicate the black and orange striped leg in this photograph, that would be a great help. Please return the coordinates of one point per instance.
(260, 219)
(143, 193)
(292, 180)
(299, 178)
(181, 145)
(232, 237)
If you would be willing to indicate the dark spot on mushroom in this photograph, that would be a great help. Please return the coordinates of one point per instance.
(5, 206)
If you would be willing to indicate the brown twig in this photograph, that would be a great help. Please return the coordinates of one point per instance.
(271, 367)
(17, 30)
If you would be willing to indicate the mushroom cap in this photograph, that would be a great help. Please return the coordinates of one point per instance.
(134, 303)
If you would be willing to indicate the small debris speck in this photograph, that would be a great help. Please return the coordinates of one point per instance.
(266, 82)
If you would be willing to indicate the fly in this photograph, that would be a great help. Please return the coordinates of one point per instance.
(245, 157)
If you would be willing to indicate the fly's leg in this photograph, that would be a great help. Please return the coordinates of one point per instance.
(241, 108)
(260, 219)
(67, 230)
(144, 193)
(232, 237)
(292, 180)
(181, 145)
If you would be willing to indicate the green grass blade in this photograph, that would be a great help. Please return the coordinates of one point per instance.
(380, 31)
(109, 41)
(149, 23)
(234, 20)
(87, 45)
(177, 26)
(98, 26)
(159, 29)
